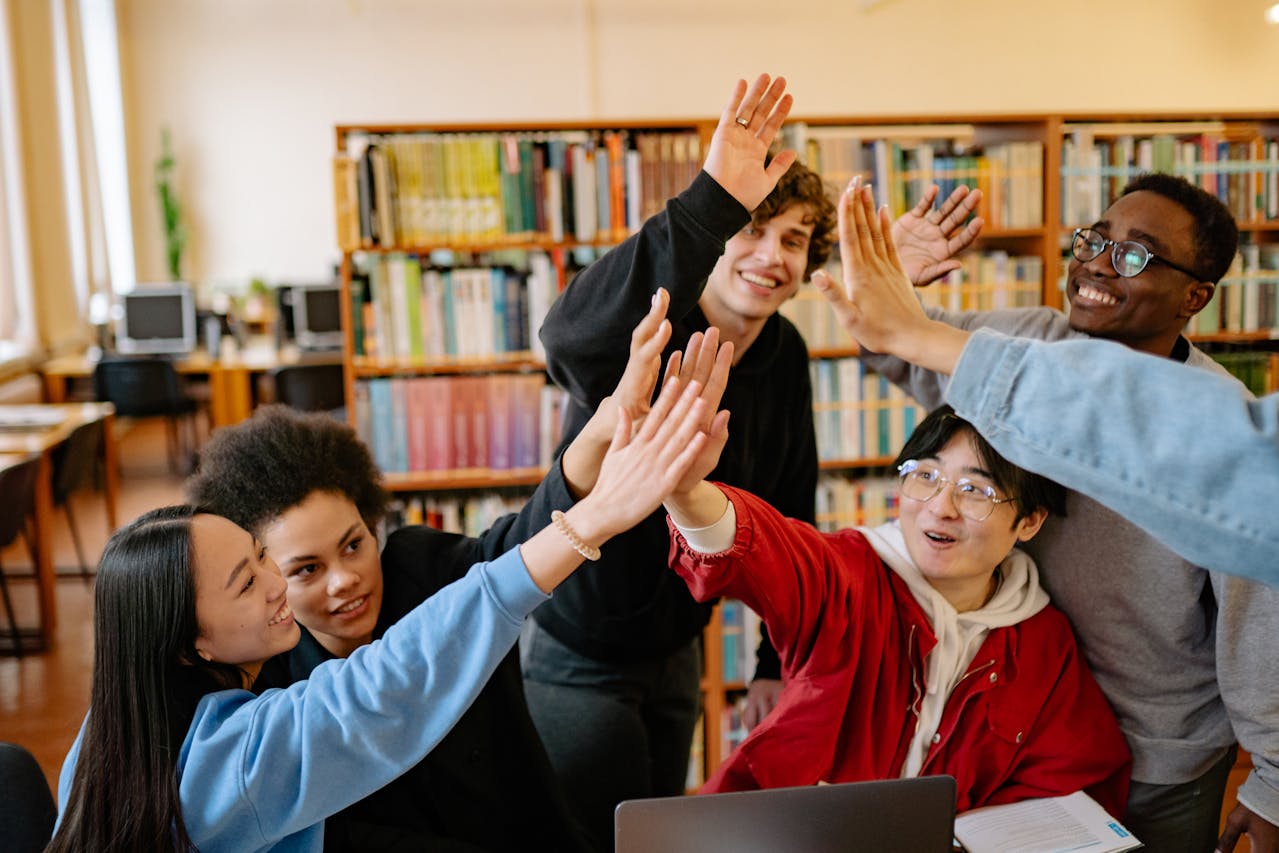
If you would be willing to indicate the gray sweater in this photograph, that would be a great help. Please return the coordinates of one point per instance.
(1188, 658)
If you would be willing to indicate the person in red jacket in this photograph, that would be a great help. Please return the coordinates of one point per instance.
(920, 647)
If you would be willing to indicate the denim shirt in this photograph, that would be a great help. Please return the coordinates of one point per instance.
(1178, 451)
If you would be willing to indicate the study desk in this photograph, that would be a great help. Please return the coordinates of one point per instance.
(231, 377)
(42, 441)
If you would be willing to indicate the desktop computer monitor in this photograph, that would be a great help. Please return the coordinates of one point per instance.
(317, 316)
(157, 319)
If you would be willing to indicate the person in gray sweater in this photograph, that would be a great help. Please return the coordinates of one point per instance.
(1186, 656)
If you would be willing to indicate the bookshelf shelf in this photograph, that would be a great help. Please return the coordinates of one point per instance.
(518, 362)
(1236, 337)
(856, 464)
(477, 191)
(850, 351)
(514, 243)
(463, 479)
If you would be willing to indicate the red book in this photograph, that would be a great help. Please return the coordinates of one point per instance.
(439, 443)
(418, 413)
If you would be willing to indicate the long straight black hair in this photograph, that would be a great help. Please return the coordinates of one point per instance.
(147, 681)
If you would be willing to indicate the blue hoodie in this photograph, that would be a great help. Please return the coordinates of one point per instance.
(263, 772)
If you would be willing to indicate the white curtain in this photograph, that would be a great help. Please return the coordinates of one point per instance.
(17, 326)
(82, 62)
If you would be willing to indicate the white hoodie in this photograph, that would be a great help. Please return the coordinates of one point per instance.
(1018, 597)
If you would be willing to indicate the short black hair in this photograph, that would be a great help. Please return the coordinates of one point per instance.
(1216, 234)
(254, 471)
(1029, 491)
(801, 185)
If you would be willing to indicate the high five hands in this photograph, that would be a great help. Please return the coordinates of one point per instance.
(704, 361)
(877, 304)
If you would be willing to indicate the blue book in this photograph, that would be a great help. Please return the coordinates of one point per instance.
(497, 293)
(381, 414)
(450, 318)
(399, 430)
(516, 311)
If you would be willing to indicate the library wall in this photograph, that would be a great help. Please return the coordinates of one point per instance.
(252, 90)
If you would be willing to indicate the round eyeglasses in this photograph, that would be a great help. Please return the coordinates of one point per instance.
(1128, 257)
(923, 481)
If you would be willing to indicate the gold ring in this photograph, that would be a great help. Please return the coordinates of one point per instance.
(742, 121)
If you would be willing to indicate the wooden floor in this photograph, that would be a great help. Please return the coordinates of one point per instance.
(43, 696)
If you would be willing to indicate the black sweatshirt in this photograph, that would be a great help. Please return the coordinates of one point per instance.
(631, 606)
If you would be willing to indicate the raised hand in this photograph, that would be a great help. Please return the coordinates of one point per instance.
(928, 240)
(747, 127)
(634, 391)
(705, 361)
(877, 300)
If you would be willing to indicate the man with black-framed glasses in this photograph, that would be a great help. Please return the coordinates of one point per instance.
(1181, 653)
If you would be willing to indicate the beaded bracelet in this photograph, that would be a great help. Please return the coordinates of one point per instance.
(590, 552)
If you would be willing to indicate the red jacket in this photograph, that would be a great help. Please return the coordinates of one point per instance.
(1027, 720)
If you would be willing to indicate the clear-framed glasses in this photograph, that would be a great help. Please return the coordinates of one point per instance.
(923, 481)
(1128, 257)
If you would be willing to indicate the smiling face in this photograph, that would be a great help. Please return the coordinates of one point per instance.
(1148, 311)
(240, 602)
(334, 571)
(956, 555)
(762, 266)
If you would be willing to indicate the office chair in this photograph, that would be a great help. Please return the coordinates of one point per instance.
(310, 387)
(150, 387)
(18, 485)
(27, 809)
(75, 463)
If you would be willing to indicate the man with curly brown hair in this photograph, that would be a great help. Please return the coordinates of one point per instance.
(612, 665)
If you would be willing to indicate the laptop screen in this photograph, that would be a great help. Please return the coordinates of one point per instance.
(894, 816)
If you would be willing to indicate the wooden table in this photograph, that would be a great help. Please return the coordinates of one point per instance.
(43, 442)
(230, 378)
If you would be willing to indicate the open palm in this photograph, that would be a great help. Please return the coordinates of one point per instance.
(928, 240)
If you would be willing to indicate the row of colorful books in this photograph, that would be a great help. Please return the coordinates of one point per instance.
(859, 414)
(469, 515)
(408, 310)
(1243, 173)
(1009, 174)
(409, 190)
(1247, 298)
(498, 422)
(850, 500)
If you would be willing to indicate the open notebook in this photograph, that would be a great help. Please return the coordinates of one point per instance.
(895, 816)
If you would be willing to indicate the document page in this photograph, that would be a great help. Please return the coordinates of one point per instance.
(1051, 825)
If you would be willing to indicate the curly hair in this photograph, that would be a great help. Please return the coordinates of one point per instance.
(1216, 234)
(801, 185)
(253, 472)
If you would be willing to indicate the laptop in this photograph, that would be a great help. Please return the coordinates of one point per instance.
(894, 816)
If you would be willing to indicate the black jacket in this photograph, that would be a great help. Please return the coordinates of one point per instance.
(488, 785)
(631, 606)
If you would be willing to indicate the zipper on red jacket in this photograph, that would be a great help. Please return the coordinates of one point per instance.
(954, 720)
(903, 746)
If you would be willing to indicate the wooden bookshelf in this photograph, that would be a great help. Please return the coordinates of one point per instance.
(1042, 174)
